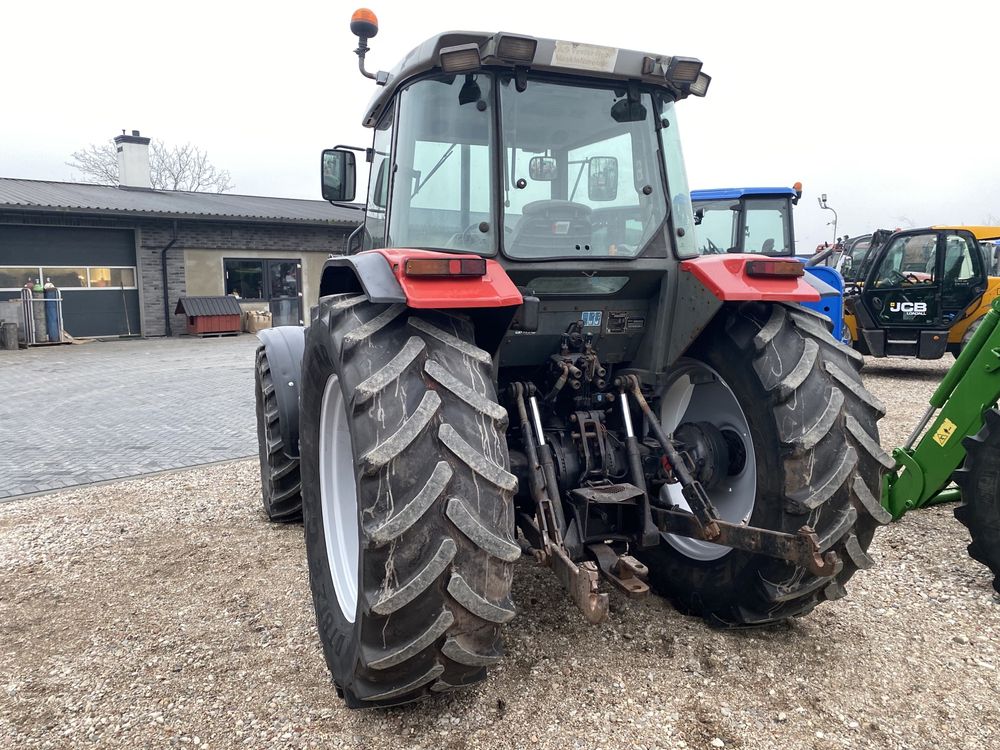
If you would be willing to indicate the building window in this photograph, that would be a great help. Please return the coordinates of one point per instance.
(13, 278)
(111, 277)
(66, 278)
(245, 278)
(264, 279)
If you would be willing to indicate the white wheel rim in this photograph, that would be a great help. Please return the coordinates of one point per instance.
(339, 497)
(699, 394)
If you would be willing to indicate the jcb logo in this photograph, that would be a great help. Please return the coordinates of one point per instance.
(908, 308)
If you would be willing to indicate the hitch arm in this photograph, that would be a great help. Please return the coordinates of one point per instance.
(704, 511)
(801, 548)
(579, 580)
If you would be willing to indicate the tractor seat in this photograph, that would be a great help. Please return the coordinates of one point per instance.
(552, 227)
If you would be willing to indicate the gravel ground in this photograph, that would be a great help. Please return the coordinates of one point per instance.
(164, 612)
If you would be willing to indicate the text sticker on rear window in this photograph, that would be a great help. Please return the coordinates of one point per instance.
(591, 318)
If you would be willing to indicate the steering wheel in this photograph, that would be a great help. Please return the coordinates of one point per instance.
(472, 237)
(713, 249)
(894, 277)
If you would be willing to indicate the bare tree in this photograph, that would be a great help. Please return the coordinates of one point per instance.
(170, 168)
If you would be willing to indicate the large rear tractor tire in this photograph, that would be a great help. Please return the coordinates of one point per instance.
(979, 479)
(281, 484)
(407, 500)
(789, 396)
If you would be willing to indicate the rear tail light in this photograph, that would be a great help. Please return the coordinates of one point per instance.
(775, 268)
(445, 267)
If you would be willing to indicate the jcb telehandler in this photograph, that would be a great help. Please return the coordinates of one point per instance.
(920, 292)
(523, 337)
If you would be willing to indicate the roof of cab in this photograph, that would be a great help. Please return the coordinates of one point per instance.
(724, 194)
(979, 232)
(551, 55)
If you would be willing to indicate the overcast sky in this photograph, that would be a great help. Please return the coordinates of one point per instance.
(890, 108)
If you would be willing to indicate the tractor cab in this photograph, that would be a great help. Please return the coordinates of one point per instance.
(745, 220)
(560, 163)
(496, 145)
(920, 292)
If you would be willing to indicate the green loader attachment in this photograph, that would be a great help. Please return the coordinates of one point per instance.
(961, 445)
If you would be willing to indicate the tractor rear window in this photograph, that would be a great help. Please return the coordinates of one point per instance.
(582, 175)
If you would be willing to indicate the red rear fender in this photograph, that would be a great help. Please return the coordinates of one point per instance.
(493, 289)
(726, 277)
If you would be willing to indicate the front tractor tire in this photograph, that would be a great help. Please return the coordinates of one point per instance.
(407, 500)
(281, 484)
(812, 458)
(979, 480)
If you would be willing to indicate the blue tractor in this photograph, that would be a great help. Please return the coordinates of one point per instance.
(758, 220)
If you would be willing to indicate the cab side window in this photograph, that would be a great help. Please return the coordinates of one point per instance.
(716, 233)
(378, 185)
(909, 261)
(959, 265)
(962, 271)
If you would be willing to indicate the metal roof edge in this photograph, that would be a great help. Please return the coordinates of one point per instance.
(138, 213)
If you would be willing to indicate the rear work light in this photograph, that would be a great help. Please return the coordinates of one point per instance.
(460, 58)
(775, 268)
(516, 48)
(700, 86)
(445, 267)
(683, 70)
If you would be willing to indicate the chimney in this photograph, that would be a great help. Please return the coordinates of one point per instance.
(133, 161)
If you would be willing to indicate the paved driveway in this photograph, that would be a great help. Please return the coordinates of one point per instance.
(73, 414)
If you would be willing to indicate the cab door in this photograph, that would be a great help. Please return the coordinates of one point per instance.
(903, 288)
(963, 274)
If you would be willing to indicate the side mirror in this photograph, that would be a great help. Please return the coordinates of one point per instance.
(602, 178)
(338, 175)
(542, 168)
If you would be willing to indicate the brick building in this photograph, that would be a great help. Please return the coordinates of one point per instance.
(111, 250)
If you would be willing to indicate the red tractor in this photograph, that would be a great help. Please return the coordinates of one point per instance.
(523, 354)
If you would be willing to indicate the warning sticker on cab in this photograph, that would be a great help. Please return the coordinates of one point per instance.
(591, 318)
(944, 432)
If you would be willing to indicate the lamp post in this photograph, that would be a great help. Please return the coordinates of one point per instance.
(823, 204)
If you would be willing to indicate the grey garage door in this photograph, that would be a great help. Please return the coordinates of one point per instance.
(94, 268)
